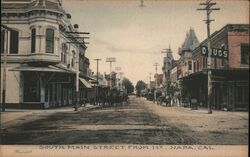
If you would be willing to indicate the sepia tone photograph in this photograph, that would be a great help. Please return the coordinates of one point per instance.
(124, 78)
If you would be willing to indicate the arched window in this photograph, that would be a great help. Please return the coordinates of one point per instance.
(49, 40)
(14, 38)
(33, 40)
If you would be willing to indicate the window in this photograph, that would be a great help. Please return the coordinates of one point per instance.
(64, 53)
(242, 94)
(215, 63)
(14, 38)
(204, 62)
(49, 40)
(33, 40)
(189, 65)
(198, 65)
(244, 54)
(194, 66)
(222, 62)
(2, 41)
(72, 63)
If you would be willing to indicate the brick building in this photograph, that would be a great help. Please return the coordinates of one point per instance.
(230, 74)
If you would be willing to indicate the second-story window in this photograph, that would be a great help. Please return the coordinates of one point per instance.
(2, 41)
(14, 39)
(215, 63)
(194, 66)
(244, 54)
(33, 40)
(204, 62)
(189, 65)
(64, 53)
(73, 59)
(49, 40)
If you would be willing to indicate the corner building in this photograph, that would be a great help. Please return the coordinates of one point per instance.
(230, 74)
(41, 54)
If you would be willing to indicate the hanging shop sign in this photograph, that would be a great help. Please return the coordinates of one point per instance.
(216, 53)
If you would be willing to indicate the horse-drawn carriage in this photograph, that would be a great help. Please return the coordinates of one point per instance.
(112, 97)
(164, 99)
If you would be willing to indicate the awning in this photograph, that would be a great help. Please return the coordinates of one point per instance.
(41, 69)
(85, 83)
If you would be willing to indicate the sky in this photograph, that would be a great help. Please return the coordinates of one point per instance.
(136, 35)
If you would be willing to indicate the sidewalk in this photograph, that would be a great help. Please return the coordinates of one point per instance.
(11, 115)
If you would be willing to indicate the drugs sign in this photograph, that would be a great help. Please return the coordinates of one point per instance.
(217, 53)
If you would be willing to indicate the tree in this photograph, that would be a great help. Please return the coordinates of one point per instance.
(140, 85)
(128, 85)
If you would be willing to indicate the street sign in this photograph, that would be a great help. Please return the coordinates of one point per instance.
(216, 53)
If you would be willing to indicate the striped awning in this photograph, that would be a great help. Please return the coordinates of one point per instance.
(85, 83)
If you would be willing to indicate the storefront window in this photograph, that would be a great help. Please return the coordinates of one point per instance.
(242, 94)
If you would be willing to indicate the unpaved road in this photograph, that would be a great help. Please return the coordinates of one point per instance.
(140, 122)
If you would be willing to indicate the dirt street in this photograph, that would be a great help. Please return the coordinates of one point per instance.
(140, 122)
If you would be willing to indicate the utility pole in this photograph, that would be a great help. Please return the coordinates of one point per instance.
(120, 75)
(110, 60)
(6, 48)
(142, 4)
(74, 36)
(208, 8)
(167, 71)
(118, 69)
(97, 78)
(150, 81)
(156, 79)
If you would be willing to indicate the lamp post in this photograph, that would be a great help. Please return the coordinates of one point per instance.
(78, 41)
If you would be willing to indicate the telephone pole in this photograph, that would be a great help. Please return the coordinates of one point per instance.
(150, 82)
(208, 8)
(167, 51)
(156, 79)
(118, 69)
(121, 80)
(97, 78)
(5, 51)
(167, 68)
(142, 4)
(110, 60)
(78, 41)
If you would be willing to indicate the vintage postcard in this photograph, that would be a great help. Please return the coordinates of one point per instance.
(158, 78)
